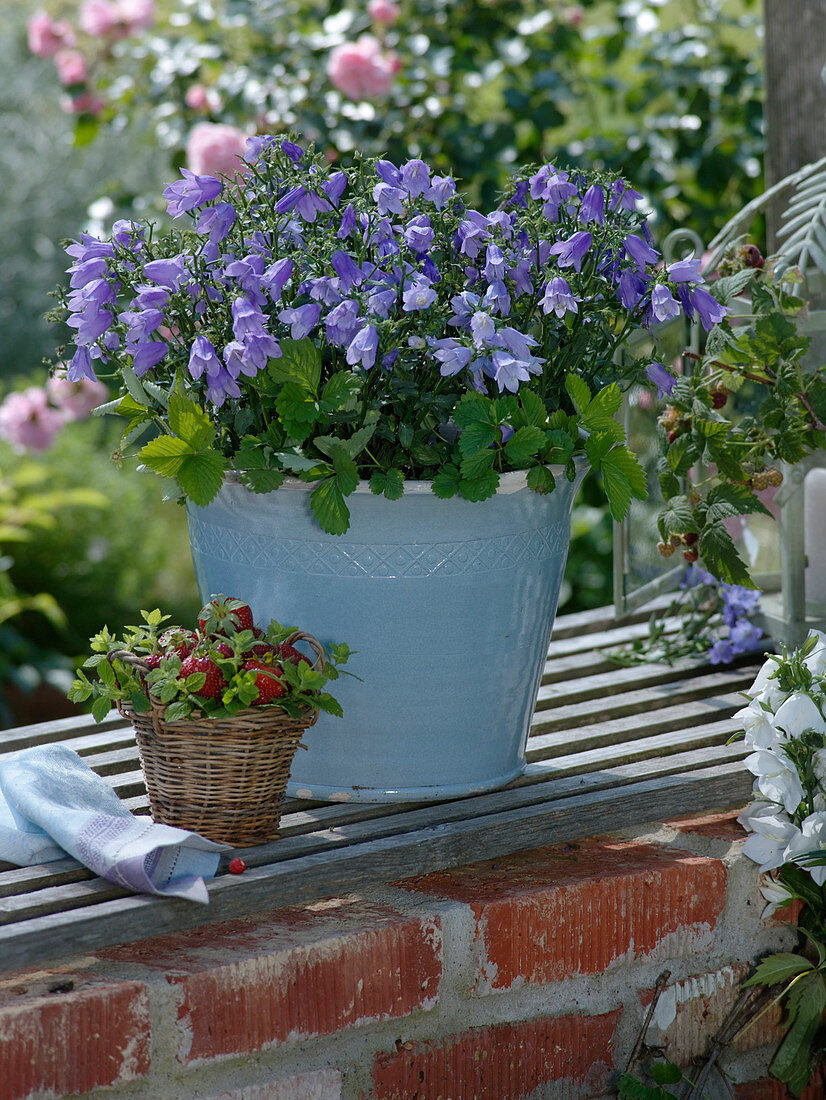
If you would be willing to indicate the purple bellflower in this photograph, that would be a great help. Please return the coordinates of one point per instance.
(570, 253)
(190, 192)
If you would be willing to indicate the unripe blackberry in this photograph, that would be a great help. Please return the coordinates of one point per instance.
(760, 481)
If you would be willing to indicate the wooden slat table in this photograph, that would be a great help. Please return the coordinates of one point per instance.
(610, 747)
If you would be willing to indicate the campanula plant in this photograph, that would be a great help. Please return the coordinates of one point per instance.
(365, 323)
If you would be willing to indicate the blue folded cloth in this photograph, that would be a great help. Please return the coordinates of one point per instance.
(53, 805)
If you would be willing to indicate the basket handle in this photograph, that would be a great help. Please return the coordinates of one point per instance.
(302, 636)
(128, 658)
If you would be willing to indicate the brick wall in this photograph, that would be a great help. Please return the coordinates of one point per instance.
(524, 978)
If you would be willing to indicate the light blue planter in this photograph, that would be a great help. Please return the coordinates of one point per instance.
(449, 605)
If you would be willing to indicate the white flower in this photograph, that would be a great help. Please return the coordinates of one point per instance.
(816, 661)
(798, 714)
(771, 831)
(775, 894)
(757, 724)
(811, 839)
(777, 778)
(765, 687)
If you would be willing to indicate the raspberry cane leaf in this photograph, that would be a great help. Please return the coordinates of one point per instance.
(681, 455)
(732, 500)
(718, 552)
(298, 364)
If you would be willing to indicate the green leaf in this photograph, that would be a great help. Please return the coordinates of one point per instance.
(541, 480)
(624, 478)
(778, 968)
(478, 464)
(127, 406)
(720, 556)
(677, 518)
(190, 422)
(478, 437)
(133, 385)
(793, 1062)
(446, 482)
(578, 392)
(480, 487)
(732, 500)
(425, 455)
(475, 408)
(329, 508)
(681, 455)
(340, 394)
(201, 476)
(524, 444)
(389, 483)
(178, 711)
(666, 1073)
(346, 471)
(165, 455)
(299, 364)
(534, 408)
(101, 707)
(629, 1088)
(559, 447)
(262, 481)
(297, 409)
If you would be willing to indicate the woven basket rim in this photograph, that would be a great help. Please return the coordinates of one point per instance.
(307, 716)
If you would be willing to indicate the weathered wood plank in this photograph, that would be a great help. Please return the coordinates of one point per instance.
(375, 861)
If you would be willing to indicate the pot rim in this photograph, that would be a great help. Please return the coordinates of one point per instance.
(513, 481)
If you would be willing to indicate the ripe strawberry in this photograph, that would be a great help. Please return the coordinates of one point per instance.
(177, 640)
(214, 683)
(224, 648)
(153, 660)
(237, 866)
(290, 653)
(262, 649)
(225, 612)
(269, 688)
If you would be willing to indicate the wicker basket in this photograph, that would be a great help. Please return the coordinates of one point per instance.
(221, 777)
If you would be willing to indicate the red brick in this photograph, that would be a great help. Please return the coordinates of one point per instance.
(506, 1061)
(551, 913)
(768, 1089)
(717, 826)
(294, 973)
(63, 1043)
(690, 1012)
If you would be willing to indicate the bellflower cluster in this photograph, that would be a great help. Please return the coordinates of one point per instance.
(784, 726)
(372, 306)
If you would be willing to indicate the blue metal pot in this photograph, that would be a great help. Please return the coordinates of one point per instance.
(449, 605)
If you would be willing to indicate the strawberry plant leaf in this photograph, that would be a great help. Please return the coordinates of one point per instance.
(480, 487)
(524, 444)
(541, 480)
(666, 1073)
(340, 394)
(475, 408)
(345, 469)
(389, 483)
(262, 481)
(297, 409)
(533, 408)
(478, 464)
(202, 475)
(189, 422)
(299, 364)
(329, 508)
(478, 437)
(446, 482)
(578, 392)
(164, 455)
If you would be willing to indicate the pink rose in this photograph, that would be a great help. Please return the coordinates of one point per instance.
(361, 70)
(384, 12)
(99, 18)
(75, 399)
(46, 36)
(136, 15)
(28, 421)
(200, 98)
(71, 67)
(215, 149)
